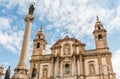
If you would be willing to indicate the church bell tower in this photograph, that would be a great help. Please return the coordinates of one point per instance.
(100, 35)
(39, 50)
(39, 43)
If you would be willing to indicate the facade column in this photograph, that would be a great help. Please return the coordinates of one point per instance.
(109, 68)
(74, 67)
(101, 73)
(21, 69)
(52, 70)
(81, 67)
(57, 67)
(56, 73)
(109, 73)
(78, 68)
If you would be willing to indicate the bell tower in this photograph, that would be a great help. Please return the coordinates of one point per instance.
(39, 49)
(100, 35)
(39, 43)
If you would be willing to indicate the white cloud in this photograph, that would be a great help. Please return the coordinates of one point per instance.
(65, 10)
(9, 38)
(116, 63)
(22, 5)
(78, 14)
(5, 23)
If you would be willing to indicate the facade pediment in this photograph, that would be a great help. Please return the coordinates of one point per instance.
(67, 46)
(66, 39)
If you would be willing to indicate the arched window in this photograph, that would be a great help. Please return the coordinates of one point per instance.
(100, 37)
(38, 45)
(91, 69)
(67, 69)
(98, 28)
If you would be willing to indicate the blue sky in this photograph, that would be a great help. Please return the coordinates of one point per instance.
(57, 17)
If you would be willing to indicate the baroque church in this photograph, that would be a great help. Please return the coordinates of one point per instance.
(68, 58)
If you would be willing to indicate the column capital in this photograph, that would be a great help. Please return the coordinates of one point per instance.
(29, 18)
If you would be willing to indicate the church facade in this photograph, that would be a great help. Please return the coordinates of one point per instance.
(70, 60)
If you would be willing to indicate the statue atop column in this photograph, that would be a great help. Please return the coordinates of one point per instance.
(34, 71)
(7, 73)
(31, 9)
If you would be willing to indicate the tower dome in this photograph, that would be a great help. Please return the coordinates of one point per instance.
(40, 34)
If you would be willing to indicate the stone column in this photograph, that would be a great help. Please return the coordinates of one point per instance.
(57, 67)
(78, 67)
(74, 68)
(109, 73)
(24, 52)
(21, 70)
(52, 70)
(81, 67)
(101, 73)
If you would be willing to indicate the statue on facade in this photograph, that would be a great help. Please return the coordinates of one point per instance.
(92, 69)
(31, 9)
(34, 71)
(7, 73)
(44, 72)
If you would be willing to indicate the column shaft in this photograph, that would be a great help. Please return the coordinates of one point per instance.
(24, 51)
